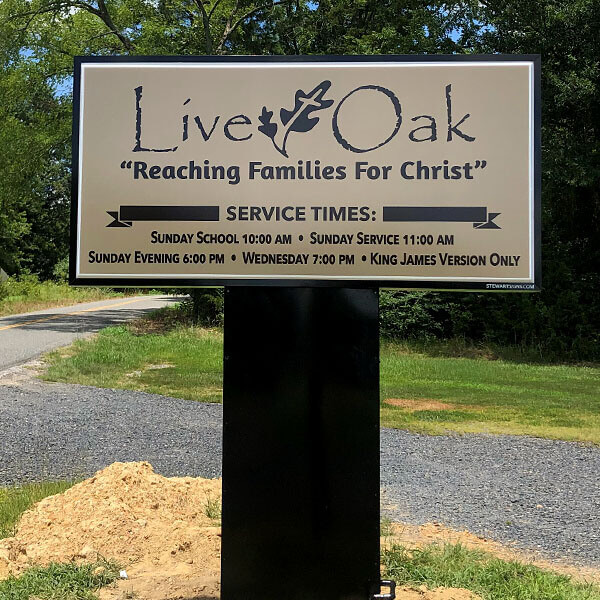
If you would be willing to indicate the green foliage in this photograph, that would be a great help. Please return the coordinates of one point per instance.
(21, 287)
(14, 501)
(386, 528)
(557, 324)
(565, 317)
(27, 293)
(212, 508)
(414, 315)
(384, 27)
(33, 172)
(60, 272)
(489, 577)
(206, 306)
(60, 582)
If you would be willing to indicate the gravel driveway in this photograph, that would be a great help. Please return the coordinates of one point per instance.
(541, 494)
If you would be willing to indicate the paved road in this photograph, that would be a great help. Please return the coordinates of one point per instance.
(25, 336)
(542, 494)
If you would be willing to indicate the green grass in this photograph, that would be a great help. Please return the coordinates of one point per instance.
(29, 294)
(490, 396)
(483, 574)
(14, 501)
(181, 361)
(59, 582)
(212, 509)
(483, 393)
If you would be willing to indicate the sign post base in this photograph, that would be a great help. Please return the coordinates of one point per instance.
(301, 444)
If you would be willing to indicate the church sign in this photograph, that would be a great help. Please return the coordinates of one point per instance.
(419, 172)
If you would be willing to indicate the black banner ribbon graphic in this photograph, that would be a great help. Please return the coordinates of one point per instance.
(125, 216)
(478, 215)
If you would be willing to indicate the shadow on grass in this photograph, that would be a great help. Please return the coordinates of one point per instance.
(175, 315)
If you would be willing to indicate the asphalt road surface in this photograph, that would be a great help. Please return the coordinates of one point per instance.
(542, 494)
(26, 336)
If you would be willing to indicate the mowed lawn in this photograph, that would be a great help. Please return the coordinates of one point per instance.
(429, 394)
(185, 362)
(441, 394)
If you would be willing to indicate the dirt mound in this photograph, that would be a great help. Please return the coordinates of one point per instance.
(422, 593)
(126, 512)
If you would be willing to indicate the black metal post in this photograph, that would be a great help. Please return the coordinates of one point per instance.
(301, 444)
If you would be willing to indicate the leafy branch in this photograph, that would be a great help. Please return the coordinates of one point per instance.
(231, 25)
(101, 11)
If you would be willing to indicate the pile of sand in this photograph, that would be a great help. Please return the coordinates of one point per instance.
(157, 528)
(148, 523)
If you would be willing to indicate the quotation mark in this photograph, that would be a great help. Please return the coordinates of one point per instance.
(480, 164)
(126, 164)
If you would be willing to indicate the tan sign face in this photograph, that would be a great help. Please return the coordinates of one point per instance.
(390, 173)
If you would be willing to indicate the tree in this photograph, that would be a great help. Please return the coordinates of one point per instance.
(566, 315)
(56, 30)
(33, 174)
(38, 40)
(388, 27)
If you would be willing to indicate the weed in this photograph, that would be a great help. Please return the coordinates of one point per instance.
(212, 508)
(29, 294)
(386, 527)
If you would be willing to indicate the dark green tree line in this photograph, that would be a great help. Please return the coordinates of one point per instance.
(38, 39)
(564, 319)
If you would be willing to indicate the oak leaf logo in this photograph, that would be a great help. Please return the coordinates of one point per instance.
(298, 119)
